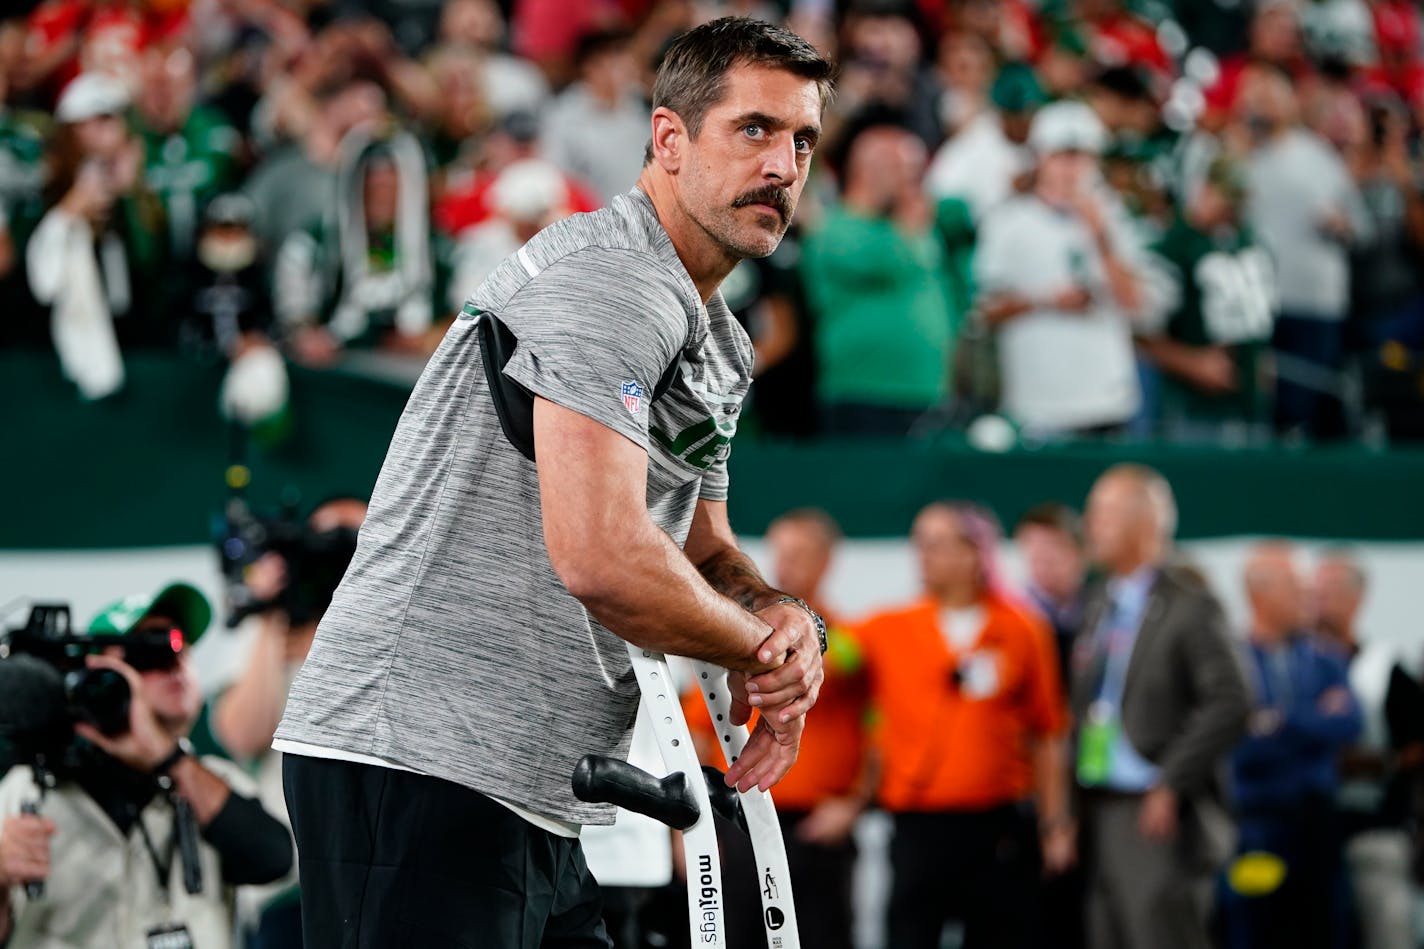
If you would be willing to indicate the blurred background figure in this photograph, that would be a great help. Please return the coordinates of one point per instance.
(1159, 701)
(466, 202)
(874, 274)
(819, 807)
(227, 312)
(984, 156)
(597, 128)
(191, 153)
(1058, 273)
(968, 744)
(367, 278)
(294, 186)
(1387, 291)
(1211, 350)
(94, 257)
(1305, 208)
(509, 83)
(1283, 889)
(1050, 537)
(883, 65)
(1380, 771)
(528, 196)
(288, 590)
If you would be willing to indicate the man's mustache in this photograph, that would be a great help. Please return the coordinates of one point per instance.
(772, 196)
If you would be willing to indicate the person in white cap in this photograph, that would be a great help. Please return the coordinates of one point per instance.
(528, 196)
(87, 258)
(1060, 278)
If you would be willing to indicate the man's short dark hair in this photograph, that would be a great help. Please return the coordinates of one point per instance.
(596, 43)
(693, 75)
(1053, 516)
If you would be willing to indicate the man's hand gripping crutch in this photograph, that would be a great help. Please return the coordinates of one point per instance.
(686, 800)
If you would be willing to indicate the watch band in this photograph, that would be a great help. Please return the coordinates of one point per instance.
(181, 750)
(815, 618)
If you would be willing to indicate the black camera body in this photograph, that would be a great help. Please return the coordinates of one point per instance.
(46, 687)
(315, 561)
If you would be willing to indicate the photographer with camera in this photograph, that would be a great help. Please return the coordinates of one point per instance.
(133, 842)
(288, 586)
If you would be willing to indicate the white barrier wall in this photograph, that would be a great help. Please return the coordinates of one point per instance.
(868, 575)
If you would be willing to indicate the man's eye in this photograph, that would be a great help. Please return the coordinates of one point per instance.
(752, 131)
(804, 145)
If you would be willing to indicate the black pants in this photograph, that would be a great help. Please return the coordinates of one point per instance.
(979, 867)
(391, 860)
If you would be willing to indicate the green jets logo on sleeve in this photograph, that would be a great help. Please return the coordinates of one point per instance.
(700, 444)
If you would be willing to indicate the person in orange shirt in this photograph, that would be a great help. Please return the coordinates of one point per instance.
(822, 795)
(968, 742)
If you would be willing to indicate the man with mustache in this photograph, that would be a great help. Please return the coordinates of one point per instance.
(876, 284)
(537, 510)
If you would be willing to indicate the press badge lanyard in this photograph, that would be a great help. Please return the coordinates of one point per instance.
(163, 872)
(172, 935)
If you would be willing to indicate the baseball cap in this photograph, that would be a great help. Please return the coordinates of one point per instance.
(1067, 127)
(528, 189)
(91, 94)
(188, 607)
(1017, 89)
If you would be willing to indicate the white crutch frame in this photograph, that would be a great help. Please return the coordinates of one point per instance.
(686, 790)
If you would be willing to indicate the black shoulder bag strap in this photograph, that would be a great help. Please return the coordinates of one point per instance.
(513, 403)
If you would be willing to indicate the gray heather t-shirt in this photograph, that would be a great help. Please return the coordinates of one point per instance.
(451, 647)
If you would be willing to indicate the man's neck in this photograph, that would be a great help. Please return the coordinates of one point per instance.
(707, 262)
(955, 598)
(1345, 637)
(1267, 636)
(865, 202)
(1128, 566)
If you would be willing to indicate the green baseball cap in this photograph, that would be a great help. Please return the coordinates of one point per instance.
(1016, 89)
(180, 601)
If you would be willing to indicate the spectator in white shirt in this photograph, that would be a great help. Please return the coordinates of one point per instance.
(1059, 272)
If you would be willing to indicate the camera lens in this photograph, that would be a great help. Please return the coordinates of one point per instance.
(99, 697)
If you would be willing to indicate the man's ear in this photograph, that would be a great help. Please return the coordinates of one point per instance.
(669, 137)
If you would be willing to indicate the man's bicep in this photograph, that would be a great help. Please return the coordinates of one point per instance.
(592, 480)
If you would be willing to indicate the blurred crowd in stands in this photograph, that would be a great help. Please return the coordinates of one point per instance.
(1031, 219)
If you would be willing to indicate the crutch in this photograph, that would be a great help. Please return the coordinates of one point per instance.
(686, 799)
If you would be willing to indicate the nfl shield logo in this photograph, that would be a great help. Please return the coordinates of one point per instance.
(632, 397)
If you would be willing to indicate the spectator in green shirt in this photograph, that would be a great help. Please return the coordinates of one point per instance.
(876, 287)
(190, 151)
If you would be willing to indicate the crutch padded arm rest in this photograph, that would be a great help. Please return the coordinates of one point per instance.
(601, 780)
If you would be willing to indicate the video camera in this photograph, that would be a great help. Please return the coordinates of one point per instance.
(45, 686)
(315, 561)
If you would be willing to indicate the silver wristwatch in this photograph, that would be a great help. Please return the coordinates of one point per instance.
(815, 618)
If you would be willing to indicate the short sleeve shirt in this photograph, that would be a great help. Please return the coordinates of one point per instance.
(451, 647)
(955, 725)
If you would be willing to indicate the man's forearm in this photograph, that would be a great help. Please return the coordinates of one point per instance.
(655, 598)
(1051, 778)
(733, 574)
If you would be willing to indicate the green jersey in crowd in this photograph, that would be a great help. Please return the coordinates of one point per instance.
(1227, 298)
(885, 308)
(189, 167)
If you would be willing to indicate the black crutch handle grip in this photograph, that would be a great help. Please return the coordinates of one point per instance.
(669, 800)
(726, 802)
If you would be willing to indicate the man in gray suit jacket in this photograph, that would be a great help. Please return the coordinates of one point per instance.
(1160, 700)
